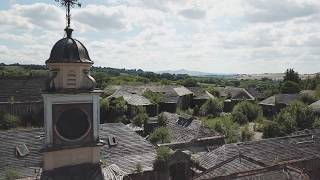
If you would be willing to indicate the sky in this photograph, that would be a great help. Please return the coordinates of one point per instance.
(216, 36)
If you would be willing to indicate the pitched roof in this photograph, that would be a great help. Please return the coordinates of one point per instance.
(268, 151)
(130, 148)
(256, 93)
(280, 99)
(21, 89)
(235, 93)
(185, 129)
(308, 92)
(315, 106)
(199, 93)
(132, 99)
(182, 91)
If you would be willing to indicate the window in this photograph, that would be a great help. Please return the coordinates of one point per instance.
(22, 150)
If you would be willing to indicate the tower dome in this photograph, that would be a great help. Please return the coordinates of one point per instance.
(69, 50)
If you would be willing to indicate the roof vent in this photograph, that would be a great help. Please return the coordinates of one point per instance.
(22, 150)
(112, 141)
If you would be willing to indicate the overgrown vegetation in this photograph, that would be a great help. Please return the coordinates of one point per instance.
(225, 125)
(162, 157)
(11, 174)
(114, 110)
(8, 121)
(246, 111)
(161, 135)
(141, 117)
(212, 107)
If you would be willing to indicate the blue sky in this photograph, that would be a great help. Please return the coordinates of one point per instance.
(229, 36)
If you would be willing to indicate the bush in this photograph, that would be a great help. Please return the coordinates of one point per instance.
(162, 157)
(113, 110)
(11, 174)
(160, 134)
(251, 110)
(140, 119)
(213, 91)
(302, 114)
(211, 107)
(271, 129)
(286, 122)
(154, 97)
(317, 91)
(162, 120)
(290, 87)
(316, 123)
(8, 121)
(308, 99)
(226, 126)
(246, 134)
(239, 117)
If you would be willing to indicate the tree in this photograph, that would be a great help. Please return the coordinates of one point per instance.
(188, 82)
(211, 107)
(162, 157)
(290, 87)
(246, 134)
(249, 109)
(226, 126)
(160, 134)
(213, 91)
(8, 121)
(291, 75)
(162, 120)
(239, 117)
(317, 91)
(270, 129)
(141, 117)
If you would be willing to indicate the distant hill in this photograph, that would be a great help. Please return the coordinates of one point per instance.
(193, 73)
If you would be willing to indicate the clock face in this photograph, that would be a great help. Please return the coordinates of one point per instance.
(73, 124)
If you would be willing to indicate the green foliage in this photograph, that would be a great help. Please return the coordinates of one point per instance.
(316, 123)
(290, 87)
(224, 125)
(188, 82)
(8, 121)
(141, 118)
(271, 129)
(317, 91)
(11, 174)
(213, 91)
(160, 134)
(101, 79)
(246, 134)
(249, 109)
(291, 75)
(211, 107)
(162, 120)
(113, 110)
(162, 157)
(297, 116)
(163, 153)
(239, 117)
(308, 99)
(154, 97)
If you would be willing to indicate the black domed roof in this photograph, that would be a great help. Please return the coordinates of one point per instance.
(69, 50)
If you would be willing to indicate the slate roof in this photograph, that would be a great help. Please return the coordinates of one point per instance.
(235, 92)
(285, 99)
(256, 93)
(315, 106)
(252, 172)
(132, 99)
(199, 93)
(182, 91)
(130, 148)
(268, 151)
(308, 92)
(182, 130)
(23, 89)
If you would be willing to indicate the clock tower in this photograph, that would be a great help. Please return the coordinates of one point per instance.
(71, 105)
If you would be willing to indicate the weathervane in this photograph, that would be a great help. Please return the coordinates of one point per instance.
(68, 4)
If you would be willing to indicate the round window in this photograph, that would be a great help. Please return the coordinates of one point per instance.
(73, 124)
